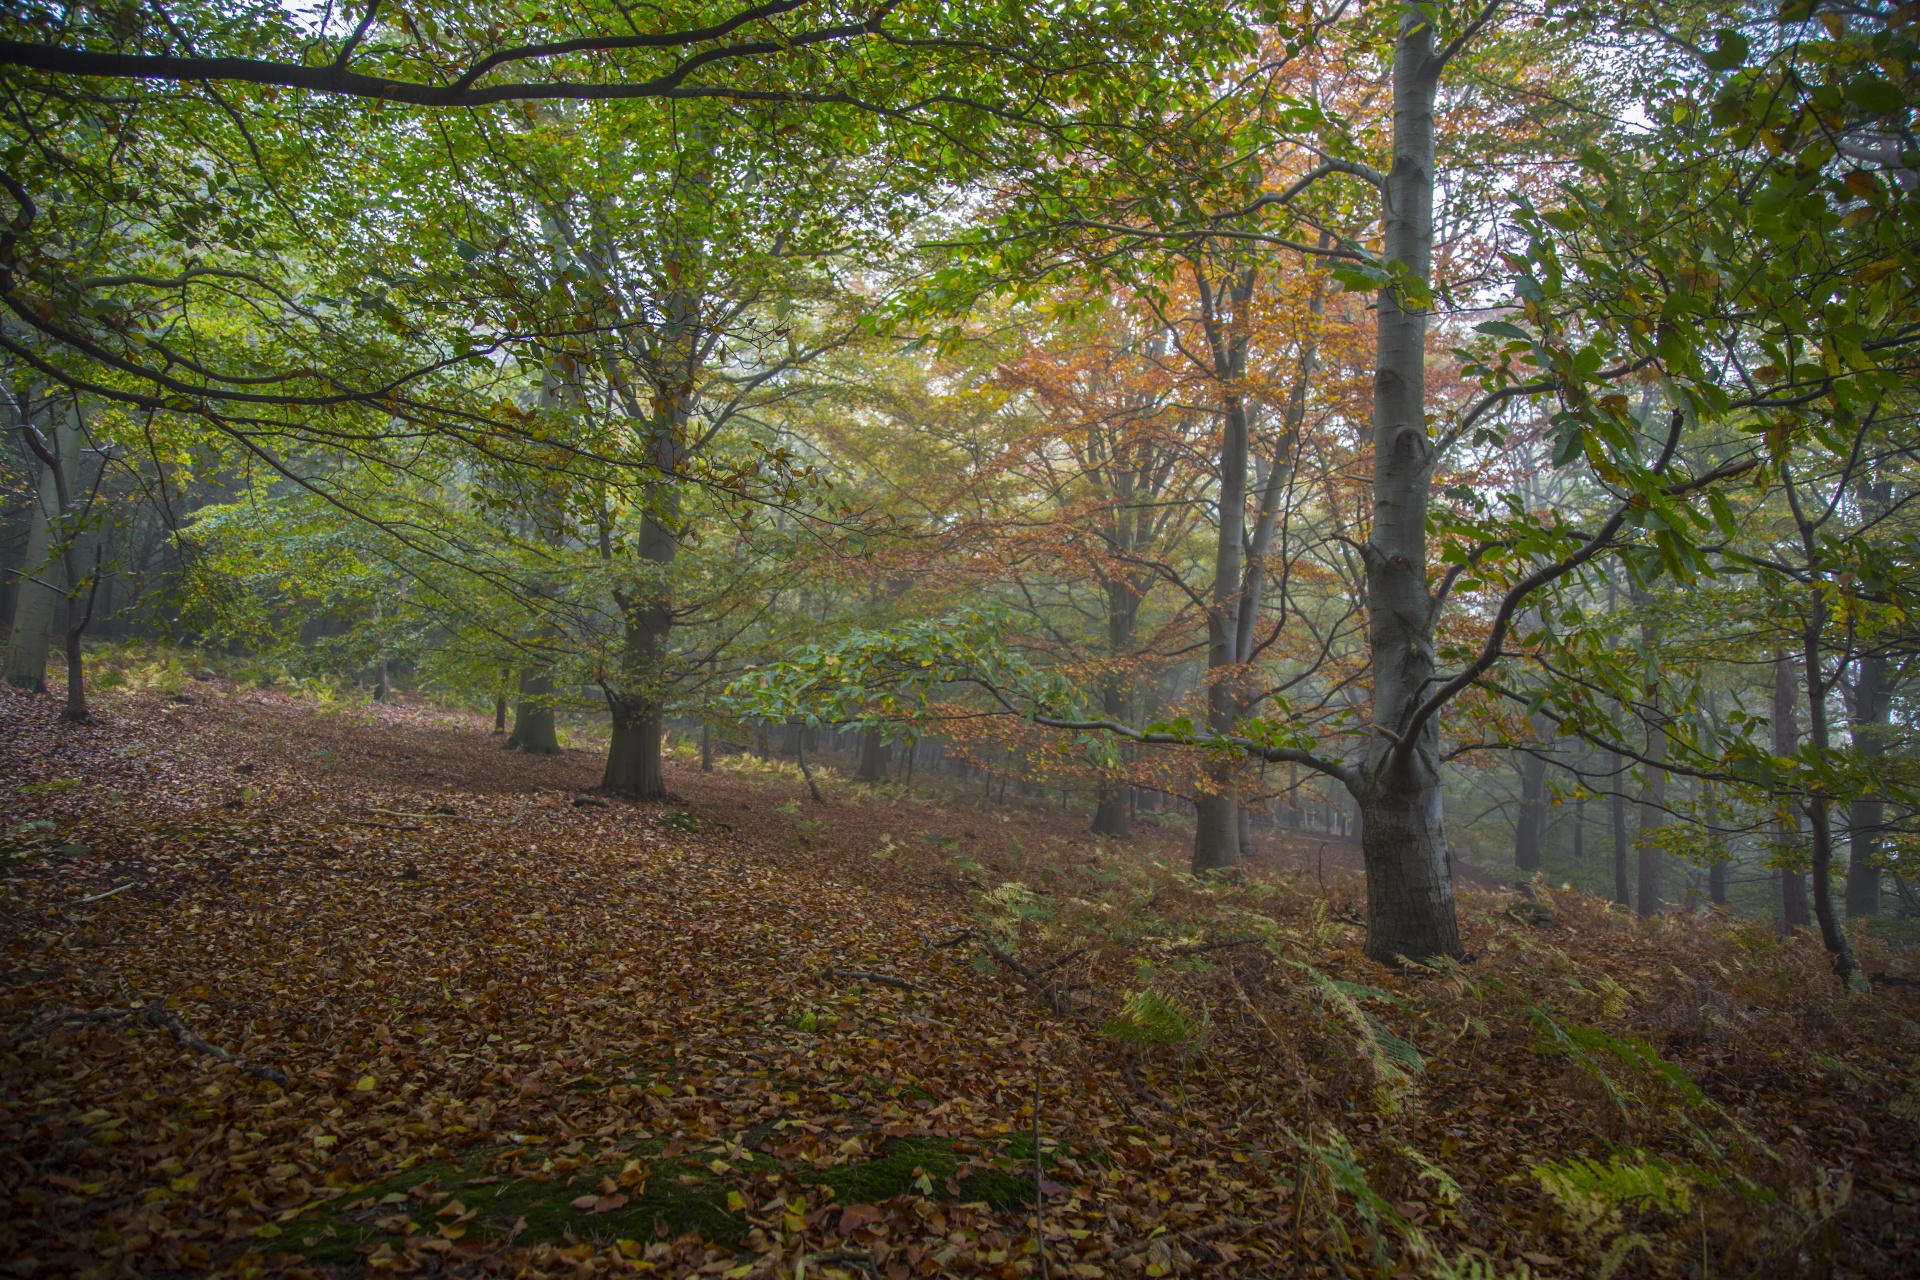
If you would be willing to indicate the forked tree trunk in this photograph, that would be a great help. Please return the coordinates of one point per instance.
(634, 765)
(1216, 830)
(1410, 910)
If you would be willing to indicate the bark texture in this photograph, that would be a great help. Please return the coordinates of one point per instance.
(533, 727)
(1410, 908)
(873, 758)
(37, 602)
(1530, 825)
(633, 752)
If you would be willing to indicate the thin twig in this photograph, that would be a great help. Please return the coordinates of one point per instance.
(96, 897)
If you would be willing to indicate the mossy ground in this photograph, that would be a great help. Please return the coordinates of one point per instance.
(503, 1190)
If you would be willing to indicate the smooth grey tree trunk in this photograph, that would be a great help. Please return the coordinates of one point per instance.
(1410, 909)
(1216, 828)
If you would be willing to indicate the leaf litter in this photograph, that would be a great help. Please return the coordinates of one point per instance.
(293, 992)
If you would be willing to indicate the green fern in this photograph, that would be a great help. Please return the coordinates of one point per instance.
(1151, 1020)
(1394, 1062)
(1587, 1046)
(1595, 1199)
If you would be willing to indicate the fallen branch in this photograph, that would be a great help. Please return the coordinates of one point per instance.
(384, 826)
(1036, 978)
(885, 980)
(96, 897)
(157, 1015)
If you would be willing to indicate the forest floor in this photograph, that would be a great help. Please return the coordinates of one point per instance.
(292, 989)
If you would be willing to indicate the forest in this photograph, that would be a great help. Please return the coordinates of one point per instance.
(1019, 638)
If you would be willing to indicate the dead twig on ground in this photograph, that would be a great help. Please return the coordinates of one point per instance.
(1055, 997)
(96, 897)
(157, 1015)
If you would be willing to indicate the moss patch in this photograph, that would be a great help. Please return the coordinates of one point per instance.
(500, 1192)
(920, 1166)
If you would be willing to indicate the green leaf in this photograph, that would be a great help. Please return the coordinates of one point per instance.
(1729, 51)
(1873, 94)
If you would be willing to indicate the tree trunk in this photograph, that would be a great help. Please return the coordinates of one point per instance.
(1819, 812)
(1617, 819)
(1653, 816)
(706, 748)
(1653, 796)
(1530, 826)
(383, 689)
(31, 639)
(37, 600)
(1218, 824)
(1110, 811)
(1110, 805)
(1216, 827)
(1794, 910)
(1410, 909)
(1246, 833)
(533, 728)
(873, 758)
(500, 713)
(1410, 912)
(1871, 708)
(633, 753)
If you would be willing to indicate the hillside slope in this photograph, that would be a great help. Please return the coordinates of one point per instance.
(292, 991)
